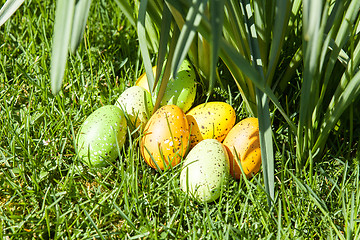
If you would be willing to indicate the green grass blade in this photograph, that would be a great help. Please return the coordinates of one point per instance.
(187, 34)
(81, 13)
(333, 114)
(263, 112)
(164, 37)
(123, 215)
(8, 9)
(127, 10)
(143, 44)
(94, 224)
(167, 71)
(216, 20)
(283, 9)
(61, 39)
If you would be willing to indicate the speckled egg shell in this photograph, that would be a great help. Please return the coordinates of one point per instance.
(181, 91)
(205, 170)
(142, 80)
(210, 120)
(136, 103)
(243, 139)
(166, 137)
(99, 136)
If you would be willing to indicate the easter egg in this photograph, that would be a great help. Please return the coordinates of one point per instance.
(137, 104)
(142, 80)
(210, 120)
(180, 91)
(166, 137)
(205, 170)
(100, 136)
(243, 140)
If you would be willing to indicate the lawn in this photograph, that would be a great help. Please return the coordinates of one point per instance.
(47, 193)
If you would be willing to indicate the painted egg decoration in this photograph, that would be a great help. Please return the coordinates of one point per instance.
(142, 80)
(210, 120)
(243, 139)
(99, 137)
(137, 104)
(205, 170)
(166, 137)
(181, 91)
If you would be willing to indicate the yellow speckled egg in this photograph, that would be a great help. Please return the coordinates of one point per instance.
(244, 139)
(210, 120)
(142, 80)
(166, 137)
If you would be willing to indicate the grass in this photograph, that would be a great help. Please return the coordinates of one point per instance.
(45, 193)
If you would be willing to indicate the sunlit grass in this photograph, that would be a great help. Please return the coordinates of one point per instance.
(45, 192)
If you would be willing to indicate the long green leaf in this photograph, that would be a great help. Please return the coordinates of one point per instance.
(187, 34)
(216, 20)
(127, 10)
(81, 13)
(265, 132)
(167, 71)
(164, 37)
(8, 9)
(61, 40)
(143, 44)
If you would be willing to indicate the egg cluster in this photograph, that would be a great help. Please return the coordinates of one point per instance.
(204, 139)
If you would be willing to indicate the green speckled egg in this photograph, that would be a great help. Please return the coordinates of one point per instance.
(181, 91)
(210, 120)
(136, 103)
(100, 134)
(205, 170)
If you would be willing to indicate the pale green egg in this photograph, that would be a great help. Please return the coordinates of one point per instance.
(101, 135)
(136, 103)
(181, 91)
(205, 170)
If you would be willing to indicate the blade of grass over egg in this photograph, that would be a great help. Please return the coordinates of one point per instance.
(82, 8)
(61, 39)
(187, 34)
(8, 9)
(263, 112)
(216, 20)
(143, 44)
(167, 72)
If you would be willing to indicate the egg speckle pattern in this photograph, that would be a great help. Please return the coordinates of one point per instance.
(181, 91)
(243, 139)
(100, 136)
(210, 120)
(205, 170)
(166, 137)
(136, 103)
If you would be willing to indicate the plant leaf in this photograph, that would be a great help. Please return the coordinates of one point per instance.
(127, 10)
(61, 40)
(216, 20)
(81, 13)
(187, 34)
(164, 37)
(143, 44)
(8, 9)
